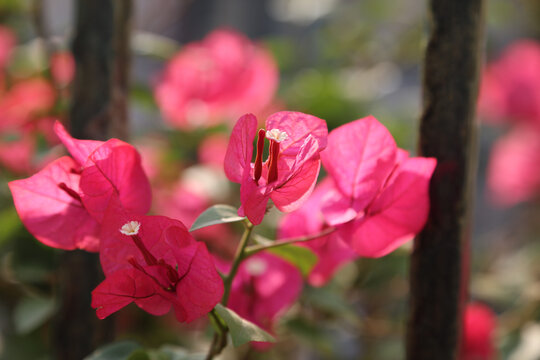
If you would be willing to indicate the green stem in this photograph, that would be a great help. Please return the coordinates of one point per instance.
(220, 337)
(252, 250)
(238, 257)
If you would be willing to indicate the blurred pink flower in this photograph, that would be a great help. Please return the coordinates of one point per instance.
(212, 150)
(380, 198)
(510, 87)
(62, 67)
(289, 175)
(7, 43)
(216, 80)
(264, 287)
(513, 172)
(331, 250)
(24, 101)
(154, 262)
(479, 325)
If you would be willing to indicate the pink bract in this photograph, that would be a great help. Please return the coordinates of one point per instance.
(380, 199)
(53, 212)
(114, 170)
(108, 169)
(264, 287)
(510, 88)
(331, 250)
(159, 266)
(359, 157)
(289, 175)
(479, 325)
(216, 80)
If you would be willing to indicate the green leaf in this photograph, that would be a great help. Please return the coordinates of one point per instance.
(303, 258)
(31, 313)
(115, 351)
(241, 330)
(217, 214)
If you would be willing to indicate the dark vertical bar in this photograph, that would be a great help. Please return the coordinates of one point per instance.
(98, 111)
(447, 132)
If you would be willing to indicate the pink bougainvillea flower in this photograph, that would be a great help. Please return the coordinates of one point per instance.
(289, 175)
(220, 78)
(380, 199)
(154, 262)
(62, 204)
(331, 250)
(510, 88)
(264, 287)
(49, 205)
(62, 67)
(478, 331)
(513, 172)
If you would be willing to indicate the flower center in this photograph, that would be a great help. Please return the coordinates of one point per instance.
(275, 136)
(131, 229)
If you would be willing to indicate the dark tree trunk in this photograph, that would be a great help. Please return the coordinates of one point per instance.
(98, 111)
(448, 132)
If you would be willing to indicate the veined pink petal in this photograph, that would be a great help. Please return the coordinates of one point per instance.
(122, 288)
(359, 157)
(240, 149)
(399, 212)
(298, 127)
(114, 170)
(79, 149)
(338, 209)
(201, 289)
(294, 192)
(253, 199)
(50, 213)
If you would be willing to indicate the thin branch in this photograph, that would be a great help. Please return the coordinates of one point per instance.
(269, 244)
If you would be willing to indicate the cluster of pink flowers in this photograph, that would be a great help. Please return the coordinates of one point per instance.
(374, 199)
(96, 201)
(510, 94)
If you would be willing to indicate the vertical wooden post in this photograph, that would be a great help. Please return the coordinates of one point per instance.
(447, 132)
(98, 111)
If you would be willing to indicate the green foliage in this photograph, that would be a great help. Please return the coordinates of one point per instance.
(301, 257)
(217, 214)
(32, 312)
(241, 330)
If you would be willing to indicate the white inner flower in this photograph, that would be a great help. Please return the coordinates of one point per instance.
(276, 135)
(130, 228)
(256, 267)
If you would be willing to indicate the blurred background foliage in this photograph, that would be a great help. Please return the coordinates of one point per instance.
(339, 60)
